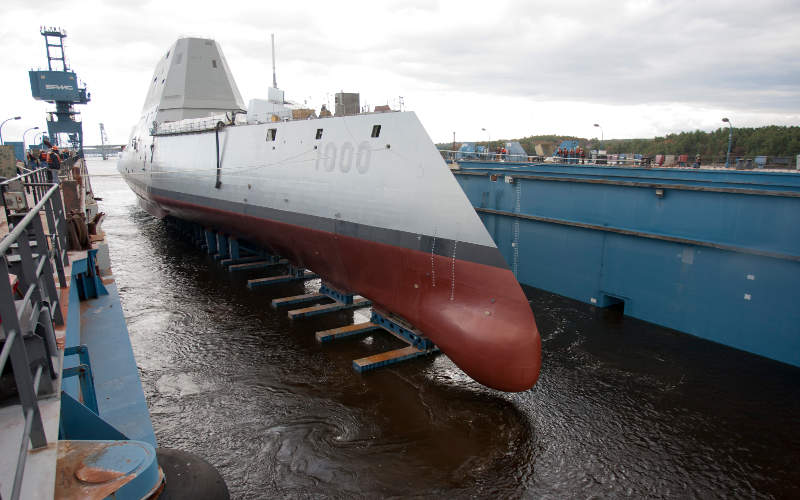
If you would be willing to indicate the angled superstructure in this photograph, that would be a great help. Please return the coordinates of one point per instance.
(192, 80)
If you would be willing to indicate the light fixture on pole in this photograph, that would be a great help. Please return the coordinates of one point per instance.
(24, 146)
(490, 139)
(730, 141)
(4, 122)
(601, 132)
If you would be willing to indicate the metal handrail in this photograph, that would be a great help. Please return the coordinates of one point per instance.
(21, 226)
(782, 163)
(36, 274)
(22, 176)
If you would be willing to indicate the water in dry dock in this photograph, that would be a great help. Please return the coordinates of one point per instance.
(623, 408)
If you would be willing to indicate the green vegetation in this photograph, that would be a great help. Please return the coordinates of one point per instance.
(773, 140)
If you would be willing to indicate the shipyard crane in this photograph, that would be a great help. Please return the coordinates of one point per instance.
(60, 86)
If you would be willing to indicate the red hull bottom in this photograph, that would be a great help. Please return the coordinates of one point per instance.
(477, 314)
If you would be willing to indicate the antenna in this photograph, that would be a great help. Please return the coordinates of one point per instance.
(274, 78)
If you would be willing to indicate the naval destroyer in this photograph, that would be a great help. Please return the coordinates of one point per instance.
(365, 201)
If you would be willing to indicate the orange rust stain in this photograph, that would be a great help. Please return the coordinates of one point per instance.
(96, 474)
(69, 486)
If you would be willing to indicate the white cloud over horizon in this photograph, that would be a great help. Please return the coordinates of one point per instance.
(640, 68)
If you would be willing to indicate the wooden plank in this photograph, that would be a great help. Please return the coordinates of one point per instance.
(345, 331)
(326, 308)
(285, 278)
(241, 260)
(296, 299)
(256, 265)
(387, 358)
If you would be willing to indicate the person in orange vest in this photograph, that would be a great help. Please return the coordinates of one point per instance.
(53, 163)
(582, 154)
(53, 160)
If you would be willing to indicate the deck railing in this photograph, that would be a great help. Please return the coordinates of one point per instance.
(630, 160)
(29, 301)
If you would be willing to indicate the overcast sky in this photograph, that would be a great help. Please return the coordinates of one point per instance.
(515, 68)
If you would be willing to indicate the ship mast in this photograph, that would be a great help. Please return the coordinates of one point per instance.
(274, 78)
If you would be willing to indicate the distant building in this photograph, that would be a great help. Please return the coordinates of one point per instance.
(347, 104)
(383, 109)
(324, 112)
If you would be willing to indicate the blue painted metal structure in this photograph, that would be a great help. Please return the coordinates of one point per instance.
(410, 336)
(713, 253)
(61, 87)
(100, 372)
(568, 145)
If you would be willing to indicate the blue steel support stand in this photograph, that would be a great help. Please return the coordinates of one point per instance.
(233, 249)
(84, 373)
(418, 344)
(223, 249)
(341, 301)
(211, 241)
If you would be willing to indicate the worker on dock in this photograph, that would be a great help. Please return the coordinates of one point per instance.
(54, 163)
(32, 160)
(697, 160)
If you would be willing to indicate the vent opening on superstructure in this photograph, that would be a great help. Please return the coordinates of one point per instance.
(319, 134)
(213, 63)
(271, 134)
(376, 131)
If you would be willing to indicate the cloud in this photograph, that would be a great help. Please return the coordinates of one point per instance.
(644, 67)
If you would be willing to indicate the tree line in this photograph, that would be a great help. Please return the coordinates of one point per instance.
(773, 140)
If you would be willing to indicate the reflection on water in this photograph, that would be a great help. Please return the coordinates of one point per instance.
(622, 408)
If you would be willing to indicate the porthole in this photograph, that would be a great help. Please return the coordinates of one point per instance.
(271, 134)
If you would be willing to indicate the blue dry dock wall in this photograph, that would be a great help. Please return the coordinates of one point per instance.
(712, 253)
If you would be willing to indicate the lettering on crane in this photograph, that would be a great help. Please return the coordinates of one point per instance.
(50, 86)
